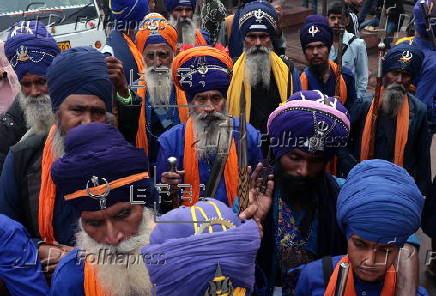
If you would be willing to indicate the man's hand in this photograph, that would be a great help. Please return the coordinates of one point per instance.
(50, 255)
(116, 74)
(172, 179)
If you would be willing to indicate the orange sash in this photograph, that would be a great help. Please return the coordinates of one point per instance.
(199, 39)
(47, 192)
(401, 135)
(192, 174)
(90, 283)
(388, 287)
(342, 87)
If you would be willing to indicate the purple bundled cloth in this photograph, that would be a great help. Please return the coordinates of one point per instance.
(311, 122)
(316, 28)
(191, 259)
(403, 57)
(30, 48)
(258, 16)
(98, 149)
(379, 202)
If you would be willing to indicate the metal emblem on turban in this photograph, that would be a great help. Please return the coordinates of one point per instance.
(220, 285)
(200, 67)
(406, 56)
(313, 30)
(22, 54)
(100, 197)
(322, 130)
(259, 14)
(224, 224)
(24, 28)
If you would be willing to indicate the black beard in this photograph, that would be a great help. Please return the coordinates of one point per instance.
(318, 69)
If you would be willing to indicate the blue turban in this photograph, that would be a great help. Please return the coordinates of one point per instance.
(191, 259)
(420, 24)
(316, 28)
(379, 202)
(79, 70)
(98, 149)
(403, 57)
(128, 13)
(171, 4)
(30, 48)
(258, 16)
(311, 122)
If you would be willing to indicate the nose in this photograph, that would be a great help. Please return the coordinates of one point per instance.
(399, 78)
(113, 236)
(35, 91)
(184, 13)
(210, 107)
(303, 169)
(258, 41)
(86, 118)
(370, 257)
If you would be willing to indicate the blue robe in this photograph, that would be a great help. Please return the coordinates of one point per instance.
(311, 281)
(172, 143)
(68, 277)
(20, 269)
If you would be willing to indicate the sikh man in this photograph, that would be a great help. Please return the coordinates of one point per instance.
(376, 194)
(210, 135)
(30, 50)
(267, 80)
(400, 133)
(96, 176)
(27, 193)
(354, 55)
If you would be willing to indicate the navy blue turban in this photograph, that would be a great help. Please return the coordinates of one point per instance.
(379, 202)
(316, 28)
(258, 16)
(311, 122)
(30, 48)
(129, 13)
(99, 150)
(420, 24)
(403, 57)
(79, 70)
(171, 4)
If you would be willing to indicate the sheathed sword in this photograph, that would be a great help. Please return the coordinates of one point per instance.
(342, 279)
(243, 184)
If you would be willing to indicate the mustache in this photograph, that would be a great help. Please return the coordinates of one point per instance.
(258, 50)
(395, 86)
(41, 99)
(210, 116)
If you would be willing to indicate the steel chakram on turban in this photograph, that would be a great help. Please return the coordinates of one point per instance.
(98, 153)
(311, 122)
(30, 48)
(155, 29)
(202, 68)
(128, 13)
(193, 251)
(379, 202)
(316, 28)
(258, 16)
(403, 57)
(79, 70)
(171, 4)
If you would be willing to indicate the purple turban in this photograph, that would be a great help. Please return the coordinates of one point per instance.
(79, 70)
(316, 28)
(258, 16)
(420, 24)
(311, 122)
(403, 57)
(99, 150)
(128, 13)
(379, 202)
(171, 4)
(191, 259)
(30, 48)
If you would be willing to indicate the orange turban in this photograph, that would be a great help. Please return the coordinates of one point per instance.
(155, 29)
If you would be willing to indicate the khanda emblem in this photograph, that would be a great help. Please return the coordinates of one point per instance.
(259, 14)
(406, 56)
(22, 54)
(313, 30)
(100, 197)
(24, 28)
(220, 285)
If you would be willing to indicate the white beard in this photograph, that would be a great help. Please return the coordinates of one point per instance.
(58, 144)
(159, 86)
(393, 99)
(258, 66)
(38, 113)
(188, 29)
(211, 135)
(121, 279)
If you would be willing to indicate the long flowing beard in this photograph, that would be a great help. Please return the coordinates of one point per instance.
(258, 66)
(38, 113)
(393, 97)
(211, 133)
(58, 144)
(187, 26)
(114, 272)
(159, 84)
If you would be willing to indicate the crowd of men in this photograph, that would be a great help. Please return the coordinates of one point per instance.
(190, 156)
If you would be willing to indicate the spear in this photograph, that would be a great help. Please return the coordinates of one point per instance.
(243, 184)
(340, 33)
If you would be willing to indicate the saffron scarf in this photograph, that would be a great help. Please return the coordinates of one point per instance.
(47, 192)
(90, 283)
(280, 72)
(402, 131)
(342, 85)
(199, 39)
(388, 287)
(192, 174)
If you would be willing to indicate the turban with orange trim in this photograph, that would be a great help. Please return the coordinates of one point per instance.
(155, 29)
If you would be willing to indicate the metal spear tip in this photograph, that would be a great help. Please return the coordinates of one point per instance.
(381, 46)
(172, 160)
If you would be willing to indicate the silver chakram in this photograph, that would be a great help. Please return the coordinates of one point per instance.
(100, 197)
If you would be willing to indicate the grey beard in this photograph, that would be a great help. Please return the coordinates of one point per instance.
(393, 99)
(58, 144)
(258, 66)
(187, 26)
(159, 86)
(37, 112)
(211, 133)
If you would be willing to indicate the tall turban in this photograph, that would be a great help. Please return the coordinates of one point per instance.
(171, 4)
(154, 30)
(403, 57)
(379, 202)
(420, 24)
(202, 68)
(99, 150)
(258, 16)
(191, 259)
(316, 28)
(79, 70)
(30, 48)
(128, 13)
(311, 122)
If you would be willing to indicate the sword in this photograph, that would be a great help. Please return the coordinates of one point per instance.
(243, 185)
(342, 279)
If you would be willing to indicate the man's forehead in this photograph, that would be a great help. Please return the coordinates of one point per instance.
(84, 100)
(160, 47)
(257, 34)
(108, 212)
(314, 44)
(31, 76)
(182, 7)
